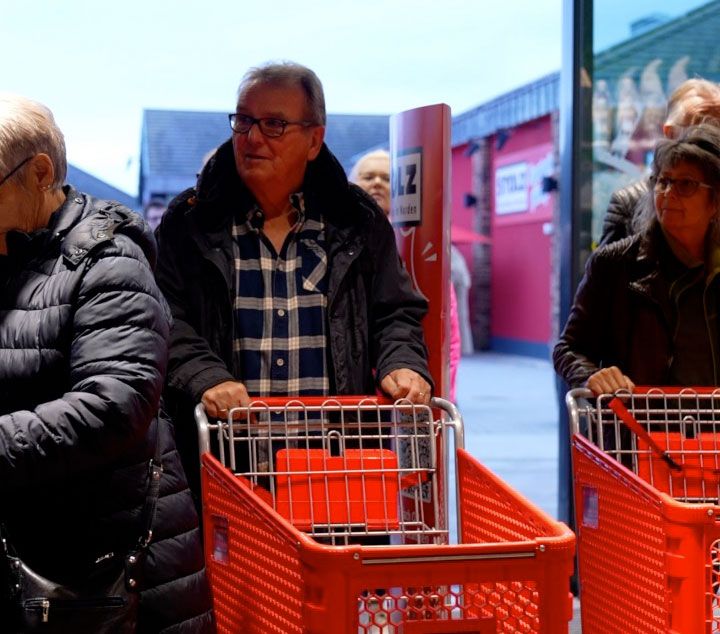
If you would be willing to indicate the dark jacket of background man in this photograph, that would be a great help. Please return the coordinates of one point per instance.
(374, 313)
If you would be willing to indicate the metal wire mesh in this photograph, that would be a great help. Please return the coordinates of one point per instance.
(342, 472)
(683, 423)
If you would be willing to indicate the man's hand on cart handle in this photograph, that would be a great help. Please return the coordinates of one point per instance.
(608, 381)
(221, 398)
(405, 383)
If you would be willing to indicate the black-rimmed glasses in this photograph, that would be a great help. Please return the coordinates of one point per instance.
(683, 187)
(269, 126)
(13, 170)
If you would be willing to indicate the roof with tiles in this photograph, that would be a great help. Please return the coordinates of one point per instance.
(84, 182)
(174, 142)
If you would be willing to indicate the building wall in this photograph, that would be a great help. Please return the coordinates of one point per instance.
(469, 162)
(522, 215)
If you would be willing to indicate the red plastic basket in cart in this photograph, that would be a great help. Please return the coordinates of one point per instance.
(355, 488)
(646, 483)
(331, 516)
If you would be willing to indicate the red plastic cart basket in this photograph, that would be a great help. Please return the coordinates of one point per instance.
(329, 516)
(646, 470)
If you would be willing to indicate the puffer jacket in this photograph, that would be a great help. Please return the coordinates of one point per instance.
(623, 207)
(83, 354)
(623, 315)
(374, 314)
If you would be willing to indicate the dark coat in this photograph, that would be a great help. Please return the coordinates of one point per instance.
(83, 354)
(623, 207)
(373, 312)
(622, 315)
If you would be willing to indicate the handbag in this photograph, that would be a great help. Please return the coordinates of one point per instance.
(107, 601)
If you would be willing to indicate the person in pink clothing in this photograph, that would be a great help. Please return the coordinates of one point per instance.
(372, 173)
(455, 346)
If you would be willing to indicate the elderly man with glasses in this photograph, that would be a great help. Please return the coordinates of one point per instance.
(283, 278)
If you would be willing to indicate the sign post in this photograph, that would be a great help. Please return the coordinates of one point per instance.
(420, 213)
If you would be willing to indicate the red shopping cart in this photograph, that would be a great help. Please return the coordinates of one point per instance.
(330, 515)
(646, 470)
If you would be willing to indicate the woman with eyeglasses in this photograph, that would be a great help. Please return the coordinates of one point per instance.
(646, 310)
(92, 492)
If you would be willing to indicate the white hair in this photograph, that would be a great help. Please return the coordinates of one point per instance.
(28, 128)
(355, 171)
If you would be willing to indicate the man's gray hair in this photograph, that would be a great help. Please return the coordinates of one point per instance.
(698, 145)
(290, 74)
(28, 128)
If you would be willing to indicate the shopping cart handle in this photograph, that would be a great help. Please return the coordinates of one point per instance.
(319, 401)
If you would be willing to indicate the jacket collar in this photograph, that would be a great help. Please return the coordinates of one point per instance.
(69, 213)
(27, 245)
(220, 192)
(79, 225)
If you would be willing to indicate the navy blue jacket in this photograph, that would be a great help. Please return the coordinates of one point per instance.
(83, 355)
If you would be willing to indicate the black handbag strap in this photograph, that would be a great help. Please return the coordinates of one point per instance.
(155, 469)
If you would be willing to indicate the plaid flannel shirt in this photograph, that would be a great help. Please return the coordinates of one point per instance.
(280, 305)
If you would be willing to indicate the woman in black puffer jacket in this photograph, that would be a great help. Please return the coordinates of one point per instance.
(83, 354)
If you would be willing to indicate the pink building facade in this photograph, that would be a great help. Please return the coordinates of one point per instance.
(504, 187)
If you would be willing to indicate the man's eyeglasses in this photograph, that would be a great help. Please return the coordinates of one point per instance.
(683, 187)
(13, 170)
(269, 126)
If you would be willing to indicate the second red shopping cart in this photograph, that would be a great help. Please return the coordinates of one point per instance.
(330, 516)
(646, 472)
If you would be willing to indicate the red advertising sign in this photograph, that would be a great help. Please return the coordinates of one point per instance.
(420, 211)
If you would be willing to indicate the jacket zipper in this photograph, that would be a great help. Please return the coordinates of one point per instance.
(645, 294)
(43, 604)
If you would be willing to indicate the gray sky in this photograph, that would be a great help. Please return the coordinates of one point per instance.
(97, 64)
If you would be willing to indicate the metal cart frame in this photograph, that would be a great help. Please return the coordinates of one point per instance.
(274, 569)
(646, 486)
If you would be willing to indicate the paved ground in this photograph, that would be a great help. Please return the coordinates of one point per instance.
(509, 407)
(510, 412)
